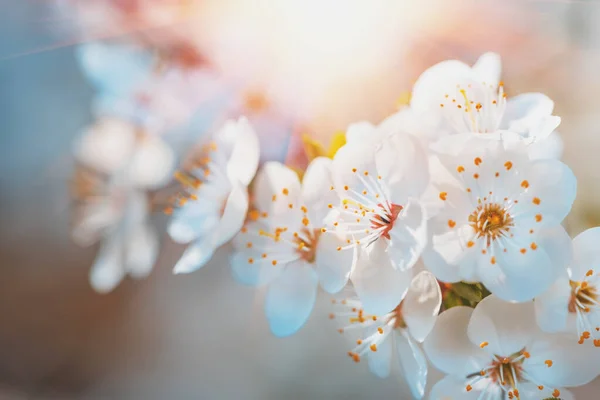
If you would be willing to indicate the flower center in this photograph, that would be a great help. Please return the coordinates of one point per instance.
(506, 371)
(386, 220)
(583, 296)
(307, 241)
(490, 221)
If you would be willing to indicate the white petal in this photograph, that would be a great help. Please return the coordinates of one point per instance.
(449, 348)
(243, 161)
(551, 147)
(530, 391)
(349, 165)
(408, 236)
(316, 192)
(141, 251)
(551, 307)
(380, 361)
(451, 388)
(195, 257)
(152, 163)
(95, 217)
(506, 327)
(572, 364)
(290, 299)
(378, 284)
(107, 145)
(422, 305)
(187, 225)
(413, 364)
(586, 253)
(431, 86)
(274, 179)
(361, 132)
(403, 165)
(524, 111)
(259, 272)
(522, 276)
(233, 216)
(107, 271)
(488, 68)
(333, 266)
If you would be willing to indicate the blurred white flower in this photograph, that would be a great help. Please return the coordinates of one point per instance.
(379, 181)
(213, 207)
(397, 331)
(117, 166)
(496, 351)
(284, 245)
(572, 304)
(456, 98)
(498, 217)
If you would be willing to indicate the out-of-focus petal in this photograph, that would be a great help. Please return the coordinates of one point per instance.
(421, 305)
(141, 251)
(290, 299)
(333, 266)
(195, 257)
(245, 154)
(413, 364)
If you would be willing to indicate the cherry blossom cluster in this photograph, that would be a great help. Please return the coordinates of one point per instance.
(438, 233)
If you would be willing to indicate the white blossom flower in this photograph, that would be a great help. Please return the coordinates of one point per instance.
(284, 245)
(497, 218)
(496, 351)
(379, 184)
(398, 331)
(117, 166)
(456, 98)
(214, 205)
(572, 304)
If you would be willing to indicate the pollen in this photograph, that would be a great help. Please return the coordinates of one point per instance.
(533, 246)
(493, 260)
(443, 195)
(548, 363)
(274, 198)
(285, 191)
(366, 173)
(249, 244)
(470, 243)
(274, 262)
(346, 187)
(525, 184)
(536, 201)
(476, 176)
(556, 393)
(523, 250)
(250, 260)
(460, 169)
(373, 347)
(477, 161)
(508, 165)
(451, 223)
(483, 344)
(538, 218)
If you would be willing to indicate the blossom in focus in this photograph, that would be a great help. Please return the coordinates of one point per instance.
(456, 98)
(379, 181)
(117, 166)
(213, 205)
(571, 304)
(497, 218)
(398, 331)
(284, 246)
(496, 351)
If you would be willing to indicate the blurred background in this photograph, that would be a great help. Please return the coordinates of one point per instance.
(294, 67)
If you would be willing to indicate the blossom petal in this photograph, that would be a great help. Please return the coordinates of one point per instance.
(551, 307)
(107, 271)
(572, 364)
(275, 187)
(141, 251)
(408, 236)
(531, 391)
(435, 81)
(259, 272)
(506, 328)
(245, 154)
(195, 257)
(413, 364)
(586, 254)
(360, 132)
(551, 147)
(524, 111)
(488, 68)
(448, 347)
(233, 216)
(152, 163)
(316, 192)
(378, 284)
(333, 266)
(421, 305)
(451, 388)
(192, 221)
(290, 299)
(380, 361)
(403, 165)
